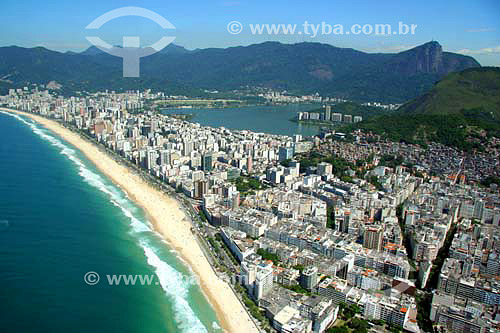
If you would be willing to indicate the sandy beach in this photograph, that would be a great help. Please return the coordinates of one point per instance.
(169, 220)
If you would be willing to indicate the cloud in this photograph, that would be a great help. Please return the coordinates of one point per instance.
(487, 50)
(392, 48)
(63, 45)
(480, 30)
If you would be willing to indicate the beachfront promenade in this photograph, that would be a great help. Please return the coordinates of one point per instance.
(169, 217)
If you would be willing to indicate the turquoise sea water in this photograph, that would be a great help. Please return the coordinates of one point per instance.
(274, 119)
(59, 219)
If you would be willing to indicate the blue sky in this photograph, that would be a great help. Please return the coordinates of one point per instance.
(469, 27)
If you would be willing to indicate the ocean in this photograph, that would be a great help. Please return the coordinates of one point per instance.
(273, 119)
(60, 218)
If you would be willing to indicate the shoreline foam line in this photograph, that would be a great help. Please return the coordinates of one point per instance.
(168, 276)
(168, 219)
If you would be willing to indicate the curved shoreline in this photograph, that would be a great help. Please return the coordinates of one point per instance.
(162, 210)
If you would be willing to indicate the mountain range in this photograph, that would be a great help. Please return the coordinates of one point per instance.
(297, 68)
(470, 89)
(461, 110)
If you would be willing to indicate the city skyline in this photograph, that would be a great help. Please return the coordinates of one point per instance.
(314, 229)
(323, 167)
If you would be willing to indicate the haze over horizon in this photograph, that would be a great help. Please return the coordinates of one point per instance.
(461, 27)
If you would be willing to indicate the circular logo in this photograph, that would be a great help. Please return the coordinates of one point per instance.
(234, 27)
(91, 278)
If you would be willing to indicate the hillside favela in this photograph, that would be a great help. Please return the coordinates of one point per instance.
(276, 167)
